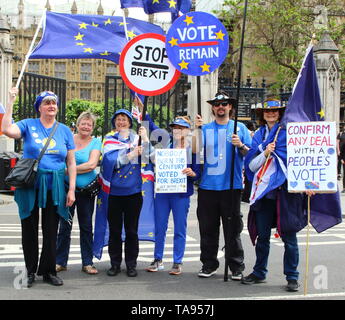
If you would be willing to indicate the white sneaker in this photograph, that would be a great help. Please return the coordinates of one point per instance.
(155, 266)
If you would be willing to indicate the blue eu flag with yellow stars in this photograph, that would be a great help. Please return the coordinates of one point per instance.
(305, 105)
(76, 36)
(155, 6)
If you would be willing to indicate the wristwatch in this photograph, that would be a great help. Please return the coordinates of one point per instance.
(242, 147)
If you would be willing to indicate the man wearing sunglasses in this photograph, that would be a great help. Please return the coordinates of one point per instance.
(215, 199)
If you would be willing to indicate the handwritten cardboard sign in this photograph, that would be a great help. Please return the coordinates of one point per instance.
(311, 156)
(168, 169)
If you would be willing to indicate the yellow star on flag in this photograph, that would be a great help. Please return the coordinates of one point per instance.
(107, 22)
(145, 180)
(79, 36)
(80, 44)
(105, 53)
(183, 65)
(99, 202)
(95, 24)
(82, 25)
(143, 193)
(220, 35)
(188, 20)
(131, 34)
(321, 113)
(88, 50)
(155, 1)
(122, 23)
(205, 67)
(172, 4)
(173, 41)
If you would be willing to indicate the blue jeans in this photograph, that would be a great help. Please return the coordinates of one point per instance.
(85, 207)
(264, 219)
(164, 203)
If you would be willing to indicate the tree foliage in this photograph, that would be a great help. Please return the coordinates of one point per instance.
(279, 31)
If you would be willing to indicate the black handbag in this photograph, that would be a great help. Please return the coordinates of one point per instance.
(23, 174)
(91, 189)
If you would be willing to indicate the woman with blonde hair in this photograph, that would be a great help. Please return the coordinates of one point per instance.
(87, 154)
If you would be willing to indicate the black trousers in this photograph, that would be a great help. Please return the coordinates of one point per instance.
(124, 210)
(30, 242)
(213, 207)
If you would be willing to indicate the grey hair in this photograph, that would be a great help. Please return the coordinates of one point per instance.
(88, 116)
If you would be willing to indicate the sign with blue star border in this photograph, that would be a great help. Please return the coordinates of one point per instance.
(197, 43)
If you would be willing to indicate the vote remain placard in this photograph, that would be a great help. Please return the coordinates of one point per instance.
(197, 43)
(311, 156)
(145, 67)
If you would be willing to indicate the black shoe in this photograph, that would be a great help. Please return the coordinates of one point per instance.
(206, 273)
(114, 271)
(31, 280)
(131, 272)
(251, 279)
(237, 276)
(292, 286)
(52, 279)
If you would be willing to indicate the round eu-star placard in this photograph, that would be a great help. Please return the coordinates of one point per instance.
(197, 43)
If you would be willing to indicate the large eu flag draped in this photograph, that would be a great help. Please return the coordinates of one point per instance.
(75, 36)
(305, 105)
(155, 6)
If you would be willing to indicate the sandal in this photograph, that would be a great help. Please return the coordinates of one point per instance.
(59, 268)
(90, 269)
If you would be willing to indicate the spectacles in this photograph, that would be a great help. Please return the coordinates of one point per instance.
(217, 104)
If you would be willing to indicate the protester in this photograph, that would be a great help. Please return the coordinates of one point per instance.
(88, 151)
(342, 160)
(178, 203)
(49, 191)
(215, 199)
(121, 175)
(271, 204)
(340, 144)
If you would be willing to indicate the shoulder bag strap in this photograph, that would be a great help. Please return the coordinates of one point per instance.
(47, 142)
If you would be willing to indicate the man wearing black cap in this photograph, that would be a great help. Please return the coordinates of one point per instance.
(215, 199)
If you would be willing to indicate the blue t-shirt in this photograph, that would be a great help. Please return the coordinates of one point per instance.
(82, 156)
(217, 155)
(35, 135)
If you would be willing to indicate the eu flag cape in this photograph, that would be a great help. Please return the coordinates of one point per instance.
(305, 105)
(76, 36)
(111, 147)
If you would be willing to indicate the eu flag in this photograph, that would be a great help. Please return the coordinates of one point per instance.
(76, 36)
(155, 6)
(305, 105)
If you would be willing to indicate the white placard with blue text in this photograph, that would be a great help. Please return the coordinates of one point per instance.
(168, 170)
(311, 156)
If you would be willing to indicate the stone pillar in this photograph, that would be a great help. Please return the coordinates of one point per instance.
(209, 87)
(329, 76)
(6, 54)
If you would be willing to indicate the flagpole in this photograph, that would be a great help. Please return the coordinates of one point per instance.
(307, 252)
(30, 48)
(226, 271)
(124, 23)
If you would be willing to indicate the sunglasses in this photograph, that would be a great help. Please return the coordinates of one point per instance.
(271, 110)
(217, 104)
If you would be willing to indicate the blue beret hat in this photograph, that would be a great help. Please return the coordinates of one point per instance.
(43, 95)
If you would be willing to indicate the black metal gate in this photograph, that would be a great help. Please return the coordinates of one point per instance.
(162, 108)
(250, 96)
(30, 86)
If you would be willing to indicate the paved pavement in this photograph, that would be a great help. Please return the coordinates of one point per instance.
(326, 254)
